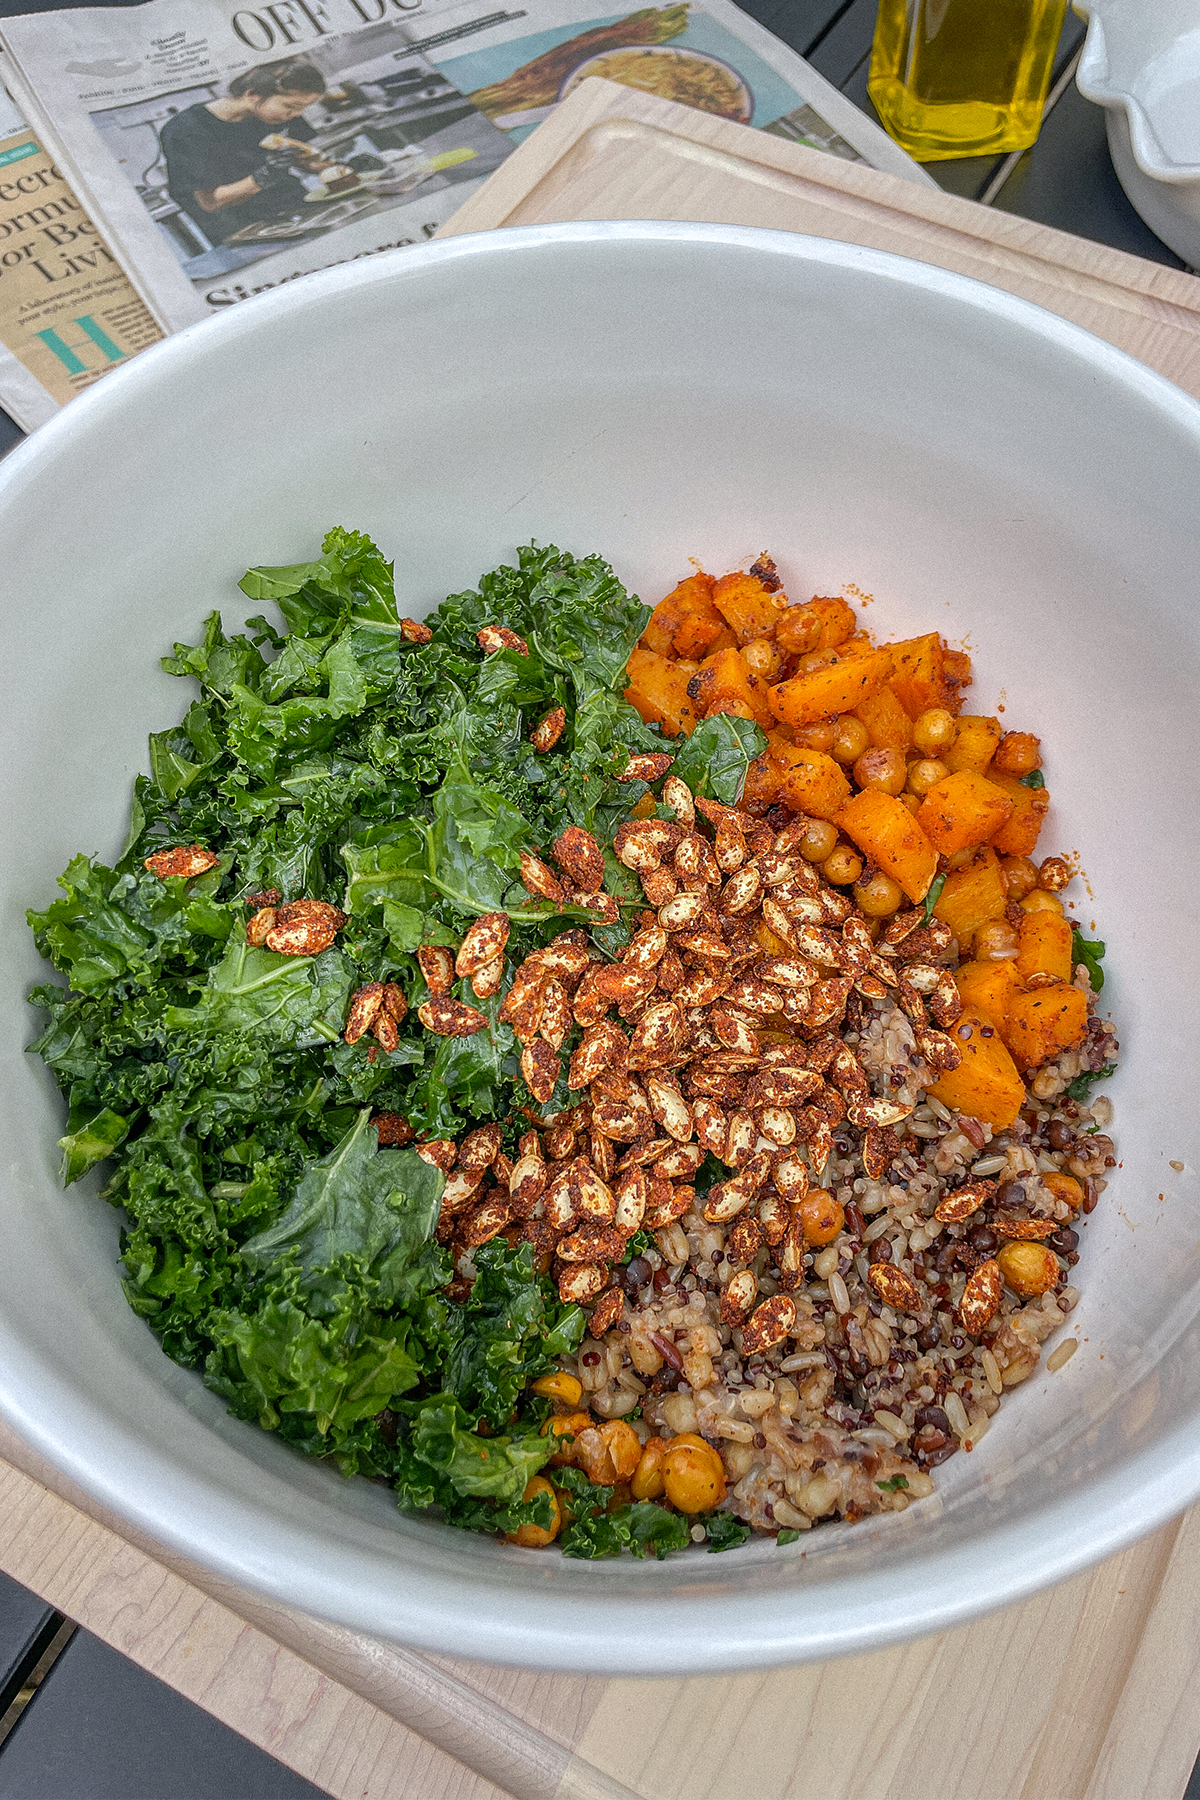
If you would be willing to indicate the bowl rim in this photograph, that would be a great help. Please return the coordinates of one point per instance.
(608, 1633)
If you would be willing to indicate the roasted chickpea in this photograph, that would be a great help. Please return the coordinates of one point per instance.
(819, 841)
(564, 1388)
(1065, 1187)
(850, 739)
(843, 866)
(693, 1479)
(624, 1447)
(645, 808)
(821, 1217)
(647, 1481)
(1019, 875)
(925, 774)
(1027, 1267)
(879, 897)
(1054, 874)
(934, 731)
(995, 942)
(535, 1537)
(1018, 753)
(762, 658)
(884, 770)
(1040, 901)
(570, 1426)
(912, 801)
(816, 737)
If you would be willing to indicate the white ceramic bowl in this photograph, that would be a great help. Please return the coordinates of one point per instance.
(659, 392)
(1141, 62)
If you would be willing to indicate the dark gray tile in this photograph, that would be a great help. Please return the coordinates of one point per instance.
(1067, 180)
(100, 1728)
(846, 42)
(800, 23)
(10, 433)
(26, 1624)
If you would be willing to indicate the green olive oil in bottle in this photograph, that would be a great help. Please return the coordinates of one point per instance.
(963, 77)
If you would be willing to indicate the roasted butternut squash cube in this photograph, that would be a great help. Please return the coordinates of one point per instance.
(814, 784)
(975, 744)
(658, 689)
(919, 678)
(691, 599)
(961, 811)
(986, 1084)
(766, 773)
(987, 988)
(1044, 946)
(888, 725)
(819, 624)
(748, 608)
(1018, 835)
(889, 836)
(724, 685)
(973, 896)
(697, 637)
(1044, 1022)
(839, 687)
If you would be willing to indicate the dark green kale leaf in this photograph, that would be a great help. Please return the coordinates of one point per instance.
(714, 760)
(724, 1532)
(495, 1468)
(1081, 1088)
(933, 896)
(379, 1206)
(1089, 952)
(1035, 779)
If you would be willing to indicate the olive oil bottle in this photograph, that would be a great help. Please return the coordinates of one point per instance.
(963, 77)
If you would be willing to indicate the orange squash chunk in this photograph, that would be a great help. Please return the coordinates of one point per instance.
(986, 1084)
(697, 637)
(1018, 835)
(887, 833)
(1044, 946)
(839, 687)
(988, 987)
(919, 681)
(747, 607)
(691, 599)
(963, 810)
(725, 685)
(766, 773)
(658, 689)
(819, 624)
(1045, 1022)
(888, 725)
(814, 784)
(975, 745)
(973, 896)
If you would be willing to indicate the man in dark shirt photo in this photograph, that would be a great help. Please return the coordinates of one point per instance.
(218, 169)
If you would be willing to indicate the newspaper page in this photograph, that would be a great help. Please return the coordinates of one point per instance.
(67, 312)
(227, 146)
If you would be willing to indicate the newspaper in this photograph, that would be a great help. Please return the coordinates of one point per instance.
(226, 146)
(67, 311)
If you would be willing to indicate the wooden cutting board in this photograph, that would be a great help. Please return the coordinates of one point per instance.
(611, 152)
(1090, 1691)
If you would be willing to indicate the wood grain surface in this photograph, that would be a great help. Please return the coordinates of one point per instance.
(1090, 1691)
(611, 152)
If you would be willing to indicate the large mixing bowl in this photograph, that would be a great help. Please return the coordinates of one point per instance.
(657, 392)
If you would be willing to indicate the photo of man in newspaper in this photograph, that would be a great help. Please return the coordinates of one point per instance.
(229, 161)
(287, 151)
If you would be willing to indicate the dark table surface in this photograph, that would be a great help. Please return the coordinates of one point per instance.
(79, 1722)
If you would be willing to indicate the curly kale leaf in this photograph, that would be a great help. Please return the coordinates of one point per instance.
(714, 760)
